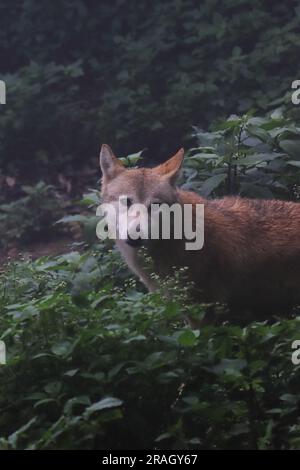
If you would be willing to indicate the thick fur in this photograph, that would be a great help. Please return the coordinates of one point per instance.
(251, 253)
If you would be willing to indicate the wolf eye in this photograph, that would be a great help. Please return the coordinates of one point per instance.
(126, 201)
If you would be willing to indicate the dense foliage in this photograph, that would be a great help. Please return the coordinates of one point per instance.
(81, 73)
(30, 216)
(247, 155)
(95, 363)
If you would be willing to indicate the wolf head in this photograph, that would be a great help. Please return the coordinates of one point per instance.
(146, 186)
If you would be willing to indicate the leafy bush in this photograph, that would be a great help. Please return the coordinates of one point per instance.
(92, 361)
(248, 155)
(87, 73)
(30, 216)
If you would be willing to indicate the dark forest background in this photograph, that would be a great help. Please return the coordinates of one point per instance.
(134, 74)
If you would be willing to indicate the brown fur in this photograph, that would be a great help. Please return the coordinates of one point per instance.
(251, 253)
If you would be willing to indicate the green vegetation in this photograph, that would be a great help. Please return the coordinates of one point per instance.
(90, 72)
(93, 361)
(30, 216)
(251, 156)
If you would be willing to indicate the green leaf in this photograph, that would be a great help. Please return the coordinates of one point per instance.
(72, 218)
(204, 156)
(212, 183)
(164, 436)
(131, 160)
(294, 163)
(71, 372)
(229, 366)
(259, 132)
(103, 404)
(188, 338)
(62, 348)
(290, 398)
(255, 191)
(80, 400)
(13, 438)
(257, 158)
(46, 401)
(53, 388)
(291, 147)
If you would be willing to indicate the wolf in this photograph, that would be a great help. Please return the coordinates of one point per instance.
(251, 252)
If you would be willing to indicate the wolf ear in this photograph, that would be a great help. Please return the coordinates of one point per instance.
(171, 167)
(109, 164)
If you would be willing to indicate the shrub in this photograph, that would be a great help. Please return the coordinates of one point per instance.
(247, 155)
(83, 74)
(30, 216)
(92, 361)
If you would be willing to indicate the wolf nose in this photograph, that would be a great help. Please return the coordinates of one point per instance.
(134, 243)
